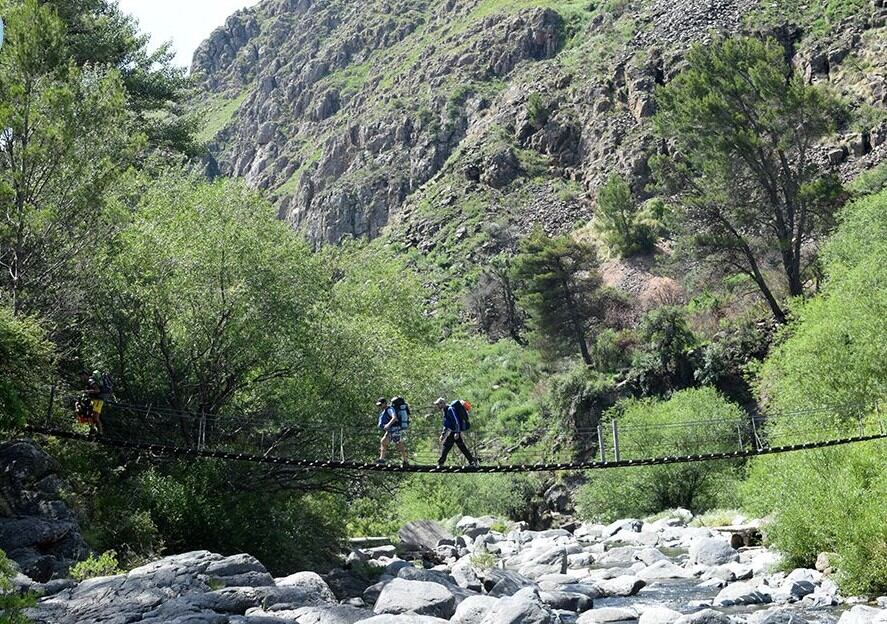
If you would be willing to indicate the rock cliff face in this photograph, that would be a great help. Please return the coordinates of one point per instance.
(463, 119)
(37, 529)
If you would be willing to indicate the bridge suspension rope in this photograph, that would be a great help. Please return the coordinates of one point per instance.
(270, 441)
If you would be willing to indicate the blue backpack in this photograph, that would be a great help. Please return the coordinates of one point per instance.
(402, 410)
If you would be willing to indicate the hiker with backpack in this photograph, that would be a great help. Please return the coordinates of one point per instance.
(393, 419)
(97, 390)
(455, 423)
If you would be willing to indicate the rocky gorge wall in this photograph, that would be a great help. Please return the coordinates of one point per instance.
(354, 116)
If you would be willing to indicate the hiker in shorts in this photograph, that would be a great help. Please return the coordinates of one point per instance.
(88, 408)
(389, 422)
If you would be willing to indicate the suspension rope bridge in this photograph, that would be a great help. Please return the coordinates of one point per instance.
(324, 447)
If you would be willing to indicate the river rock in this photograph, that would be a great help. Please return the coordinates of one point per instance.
(327, 614)
(650, 556)
(422, 534)
(630, 524)
(712, 551)
(740, 594)
(473, 609)
(622, 586)
(419, 597)
(659, 615)
(862, 614)
(566, 601)
(403, 618)
(663, 570)
(504, 582)
(472, 527)
(310, 583)
(465, 576)
(522, 608)
(705, 616)
(608, 615)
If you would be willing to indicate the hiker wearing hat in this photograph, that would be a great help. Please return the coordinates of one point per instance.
(455, 421)
(389, 422)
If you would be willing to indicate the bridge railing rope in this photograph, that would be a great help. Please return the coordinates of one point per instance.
(276, 439)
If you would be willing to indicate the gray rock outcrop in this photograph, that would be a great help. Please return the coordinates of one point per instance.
(37, 528)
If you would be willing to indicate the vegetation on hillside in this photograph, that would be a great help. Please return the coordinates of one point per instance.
(198, 300)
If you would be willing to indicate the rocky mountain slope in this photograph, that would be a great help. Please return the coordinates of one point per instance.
(462, 121)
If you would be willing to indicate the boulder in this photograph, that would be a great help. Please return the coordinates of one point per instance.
(521, 608)
(419, 597)
(862, 614)
(631, 524)
(659, 615)
(650, 556)
(327, 614)
(566, 601)
(472, 527)
(504, 582)
(712, 551)
(663, 570)
(472, 610)
(38, 531)
(464, 574)
(608, 615)
(422, 534)
(403, 618)
(311, 583)
(740, 594)
(706, 616)
(622, 586)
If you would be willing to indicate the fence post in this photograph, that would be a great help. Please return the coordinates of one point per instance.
(754, 430)
(615, 440)
(201, 432)
(739, 433)
(342, 443)
(600, 443)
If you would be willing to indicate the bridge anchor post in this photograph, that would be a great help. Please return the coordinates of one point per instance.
(615, 440)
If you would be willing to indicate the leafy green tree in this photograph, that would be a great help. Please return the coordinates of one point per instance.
(98, 33)
(742, 128)
(652, 428)
(26, 361)
(831, 365)
(621, 222)
(562, 289)
(206, 297)
(664, 362)
(64, 141)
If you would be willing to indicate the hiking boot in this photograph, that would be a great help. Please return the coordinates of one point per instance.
(404, 463)
(474, 463)
(381, 461)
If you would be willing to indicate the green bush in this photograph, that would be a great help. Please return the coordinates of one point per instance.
(664, 361)
(537, 110)
(646, 430)
(832, 357)
(439, 497)
(91, 567)
(12, 604)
